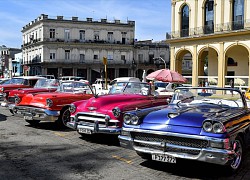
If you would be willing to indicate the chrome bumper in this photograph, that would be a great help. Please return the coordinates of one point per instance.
(94, 130)
(36, 114)
(209, 154)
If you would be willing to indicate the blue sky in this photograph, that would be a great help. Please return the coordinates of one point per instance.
(152, 17)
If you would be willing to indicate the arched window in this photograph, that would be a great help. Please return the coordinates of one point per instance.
(209, 17)
(238, 14)
(185, 21)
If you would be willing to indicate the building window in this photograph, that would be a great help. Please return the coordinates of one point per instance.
(52, 33)
(82, 58)
(95, 57)
(238, 14)
(96, 35)
(82, 35)
(209, 17)
(151, 58)
(123, 57)
(185, 21)
(110, 36)
(66, 34)
(110, 57)
(140, 58)
(67, 54)
(52, 56)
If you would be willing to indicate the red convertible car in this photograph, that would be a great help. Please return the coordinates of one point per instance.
(42, 85)
(104, 113)
(17, 82)
(54, 106)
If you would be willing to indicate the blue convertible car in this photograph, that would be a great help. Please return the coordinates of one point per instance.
(204, 124)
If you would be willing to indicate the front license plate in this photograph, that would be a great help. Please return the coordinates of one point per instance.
(28, 117)
(85, 131)
(163, 158)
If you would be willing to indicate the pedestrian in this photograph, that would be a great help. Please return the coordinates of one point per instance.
(231, 83)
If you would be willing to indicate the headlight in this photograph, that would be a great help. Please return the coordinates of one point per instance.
(134, 120)
(213, 127)
(131, 119)
(5, 95)
(2, 89)
(17, 99)
(218, 128)
(49, 102)
(126, 119)
(72, 108)
(207, 126)
(116, 111)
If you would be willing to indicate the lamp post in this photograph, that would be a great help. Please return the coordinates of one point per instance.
(159, 58)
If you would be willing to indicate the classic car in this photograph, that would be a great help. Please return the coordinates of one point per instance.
(104, 113)
(42, 85)
(17, 82)
(53, 106)
(204, 124)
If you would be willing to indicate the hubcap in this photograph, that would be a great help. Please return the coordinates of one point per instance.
(238, 154)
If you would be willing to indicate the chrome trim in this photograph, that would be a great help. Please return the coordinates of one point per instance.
(207, 154)
(38, 113)
(97, 129)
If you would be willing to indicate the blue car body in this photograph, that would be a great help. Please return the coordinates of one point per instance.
(181, 131)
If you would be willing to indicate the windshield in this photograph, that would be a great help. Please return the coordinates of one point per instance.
(46, 83)
(222, 97)
(75, 87)
(161, 84)
(18, 81)
(130, 88)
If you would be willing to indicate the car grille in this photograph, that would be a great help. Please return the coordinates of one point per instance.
(172, 140)
(90, 119)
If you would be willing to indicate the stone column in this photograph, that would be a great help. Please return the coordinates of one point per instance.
(173, 16)
(195, 67)
(221, 66)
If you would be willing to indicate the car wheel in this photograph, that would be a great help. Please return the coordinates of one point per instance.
(32, 122)
(64, 117)
(238, 156)
(12, 112)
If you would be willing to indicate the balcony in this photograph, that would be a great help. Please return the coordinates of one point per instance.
(207, 30)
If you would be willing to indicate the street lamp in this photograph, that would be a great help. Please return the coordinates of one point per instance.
(159, 58)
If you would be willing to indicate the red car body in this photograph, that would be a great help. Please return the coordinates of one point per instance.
(53, 107)
(104, 114)
(17, 82)
(42, 85)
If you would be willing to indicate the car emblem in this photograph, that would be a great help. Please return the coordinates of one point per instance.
(92, 108)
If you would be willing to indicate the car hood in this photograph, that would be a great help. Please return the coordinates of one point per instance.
(108, 99)
(191, 116)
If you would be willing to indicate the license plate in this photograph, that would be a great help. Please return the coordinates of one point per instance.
(163, 158)
(28, 117)
(85, 131)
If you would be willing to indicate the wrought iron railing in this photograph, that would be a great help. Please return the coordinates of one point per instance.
(210, 29)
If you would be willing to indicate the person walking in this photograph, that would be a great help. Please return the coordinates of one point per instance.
(231, 83)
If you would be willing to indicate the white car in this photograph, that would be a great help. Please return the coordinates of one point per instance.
(165, 88)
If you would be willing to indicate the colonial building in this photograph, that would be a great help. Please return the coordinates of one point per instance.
(216, 35)
(71, 46)
(7, 54)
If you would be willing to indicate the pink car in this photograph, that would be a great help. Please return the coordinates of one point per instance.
(104, 113)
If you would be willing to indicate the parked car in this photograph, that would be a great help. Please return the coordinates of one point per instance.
(42, 85)
(53, 106)
(204, 124)
(104, 113)
(17, 82)
(47, 76)
(166, 88)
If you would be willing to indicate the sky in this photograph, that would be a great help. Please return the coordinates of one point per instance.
(152, 17)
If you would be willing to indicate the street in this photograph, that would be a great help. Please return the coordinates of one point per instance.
(46, 152)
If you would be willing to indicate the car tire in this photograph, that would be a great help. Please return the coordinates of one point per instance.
(64, 117)
(12, 112)
(237, 161)
(145, 156)
(32, 122)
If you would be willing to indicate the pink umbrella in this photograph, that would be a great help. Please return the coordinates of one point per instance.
(166, 75)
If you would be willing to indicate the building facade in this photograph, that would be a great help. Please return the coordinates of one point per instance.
(7, 54)
(216, 35)
(71, 46)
